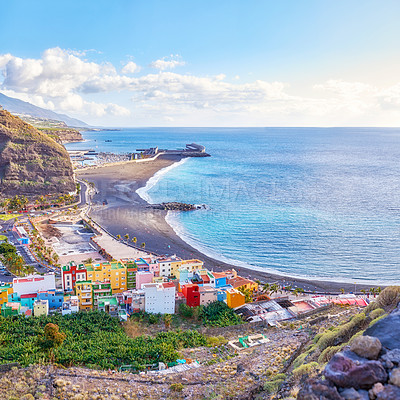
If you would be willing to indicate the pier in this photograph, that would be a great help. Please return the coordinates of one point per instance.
(191, 150)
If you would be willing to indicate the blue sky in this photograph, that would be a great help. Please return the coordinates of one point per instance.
(206, 63)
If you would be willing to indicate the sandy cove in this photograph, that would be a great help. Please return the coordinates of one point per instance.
(126, 213)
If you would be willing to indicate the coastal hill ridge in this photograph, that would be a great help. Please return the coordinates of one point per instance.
(31, 162)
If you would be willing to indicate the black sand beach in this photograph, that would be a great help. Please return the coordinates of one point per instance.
(122, 211)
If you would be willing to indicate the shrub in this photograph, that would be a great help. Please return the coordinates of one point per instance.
(299, 360)
(185, 311)
(176, 387)
(273, 385)
(370, 307)
(213, 341)
(376, 313)
(329, 352)
(374, 321)
(342, 333)
(305, 369)
(389, 298)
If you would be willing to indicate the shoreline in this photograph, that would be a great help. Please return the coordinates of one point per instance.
(126, 212)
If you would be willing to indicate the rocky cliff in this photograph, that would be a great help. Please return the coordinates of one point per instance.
(64, 135)
(31, 162)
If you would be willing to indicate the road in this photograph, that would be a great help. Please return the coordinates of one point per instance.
(22, 250)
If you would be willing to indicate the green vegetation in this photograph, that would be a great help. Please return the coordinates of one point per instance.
(7, 217)
(218, 313)
(93, 339)
(305, 369)
(14, 263)
(273, 385)
(342, 333)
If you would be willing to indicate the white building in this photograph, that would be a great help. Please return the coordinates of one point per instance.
(34, 284)
(159, 297)
(70, 306)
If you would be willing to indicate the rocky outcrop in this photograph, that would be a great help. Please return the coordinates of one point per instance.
(66, 135)
(369, 369)
(31, 162)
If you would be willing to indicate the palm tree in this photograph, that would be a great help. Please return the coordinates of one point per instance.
(342, 290)
(134, 240)
(266, 288)
(119, 237)
(274, 288)
(143, 245)
(126, 237)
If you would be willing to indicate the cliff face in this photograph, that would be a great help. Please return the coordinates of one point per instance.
(31, 162)
(64, 135)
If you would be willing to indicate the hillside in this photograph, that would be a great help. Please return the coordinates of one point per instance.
(31, 162)
(58, 130)
(17, 106)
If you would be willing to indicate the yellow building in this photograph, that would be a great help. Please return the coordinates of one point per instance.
(40, 307)
(114, 272)
(234, 298)
(84, 292)
(118, 277)
(243, 284)
(5, 290)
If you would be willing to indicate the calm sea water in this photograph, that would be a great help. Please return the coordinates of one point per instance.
(299, 201)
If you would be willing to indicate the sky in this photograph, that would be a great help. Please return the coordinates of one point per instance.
(205, 63)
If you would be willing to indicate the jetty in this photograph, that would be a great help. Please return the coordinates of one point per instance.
(191, 150)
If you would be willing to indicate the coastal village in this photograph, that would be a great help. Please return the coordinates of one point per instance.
(128, 279)
(79, 303)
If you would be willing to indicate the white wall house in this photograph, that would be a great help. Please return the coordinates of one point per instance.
(34, 283)
(159, 297)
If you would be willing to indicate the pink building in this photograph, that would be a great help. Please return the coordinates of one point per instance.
(143, 277)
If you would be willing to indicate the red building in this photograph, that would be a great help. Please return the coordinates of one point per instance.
(70, 274)
(192, 295)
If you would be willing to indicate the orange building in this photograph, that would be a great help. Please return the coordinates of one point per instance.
(234, 298)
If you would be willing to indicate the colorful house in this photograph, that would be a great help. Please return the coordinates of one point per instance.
(5, 290)
(108, 305)
(220, 279)
(234, 298)
(27, 300)
(55, 298)
(100, 290)
(192, 295)
(114, 272)
(118, 277)
(84, 292)
(131, 269)
(143, 277)
(10, 308)
(40, 307)
(207, 295)
(70, 305)
(70, 274)
(243, 284)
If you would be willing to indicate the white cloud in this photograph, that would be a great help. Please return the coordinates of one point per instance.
(56, 80)
(170, 62)
(130, 68)
(64, 80)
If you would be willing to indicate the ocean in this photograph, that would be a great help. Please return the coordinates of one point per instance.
(309, 202)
